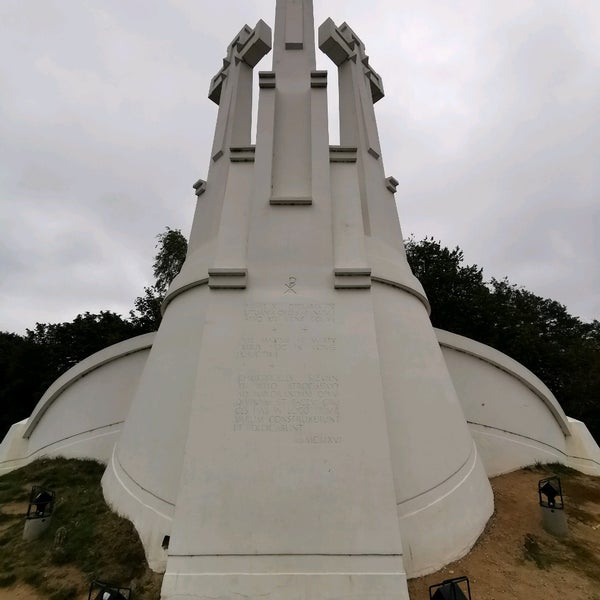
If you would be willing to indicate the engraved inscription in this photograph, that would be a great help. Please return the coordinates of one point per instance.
(286, 402)
(319, 439)
(279, 346)
(281, 384)
(271, 312)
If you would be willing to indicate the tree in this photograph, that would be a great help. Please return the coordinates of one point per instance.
(458, 295)
(30, 363)
(172, 248)
(560, 349)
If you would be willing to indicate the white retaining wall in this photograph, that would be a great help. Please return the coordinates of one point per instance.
(81, 413)
(514, 418)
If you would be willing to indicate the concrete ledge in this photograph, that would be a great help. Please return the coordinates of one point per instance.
(151, 516)
(387, 266)
(291, 576)
(224, 278)
(425, 518)
(95, 444)
(290, 201)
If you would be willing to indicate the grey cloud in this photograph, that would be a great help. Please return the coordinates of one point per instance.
(490, 123)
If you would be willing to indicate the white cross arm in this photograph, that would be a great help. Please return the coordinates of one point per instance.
(333, 44)
(248, 46)
(341, 44)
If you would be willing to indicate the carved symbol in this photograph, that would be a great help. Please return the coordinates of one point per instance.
(290, 286)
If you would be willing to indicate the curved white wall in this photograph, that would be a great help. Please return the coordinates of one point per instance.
(81, 413)
(515, 419)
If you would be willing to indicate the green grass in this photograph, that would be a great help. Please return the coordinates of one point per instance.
(93, 541)
(554, 468)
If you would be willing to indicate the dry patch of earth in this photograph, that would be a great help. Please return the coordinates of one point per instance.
(515, 559)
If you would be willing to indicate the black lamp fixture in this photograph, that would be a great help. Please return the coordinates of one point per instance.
(100, 590)
(550, 493)
(41, 503)
(451, 589)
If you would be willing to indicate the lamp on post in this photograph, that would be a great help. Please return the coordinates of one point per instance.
(552, 506)
(39, 512)
(451, 589)
(100, 590)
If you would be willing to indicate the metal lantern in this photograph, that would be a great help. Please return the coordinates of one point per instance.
(552, 506)
(39, 512)
(550, 493)
(100, 590)
(41, 503)
(451, 589)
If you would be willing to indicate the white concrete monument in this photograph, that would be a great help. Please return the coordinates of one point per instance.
(293, 431)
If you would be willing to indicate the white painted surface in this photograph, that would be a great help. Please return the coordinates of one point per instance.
(296, 429)
(81, 413)
(514, 418)
(583, 451)
(436, 468)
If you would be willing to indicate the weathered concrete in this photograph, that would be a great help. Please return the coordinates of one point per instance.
(296, 375)
(296, 428)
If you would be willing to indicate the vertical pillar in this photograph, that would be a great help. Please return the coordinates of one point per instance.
(360, 87)
(293, 62)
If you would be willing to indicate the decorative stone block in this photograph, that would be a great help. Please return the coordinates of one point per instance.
(223, 278)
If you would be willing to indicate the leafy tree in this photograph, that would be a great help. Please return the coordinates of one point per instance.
(172, 248)
(30, 363)
(458, 296)
(560, 349)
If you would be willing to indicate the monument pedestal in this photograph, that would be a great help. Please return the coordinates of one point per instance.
(297, 577)
(554, 521)
(295, 432)
(287, 480)
(35, 527)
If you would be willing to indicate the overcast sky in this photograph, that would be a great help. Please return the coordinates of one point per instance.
(491, 123)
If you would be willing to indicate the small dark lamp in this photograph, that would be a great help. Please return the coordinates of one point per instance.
(550, 493)
(451, 589)
(41, 503)
(107, 591)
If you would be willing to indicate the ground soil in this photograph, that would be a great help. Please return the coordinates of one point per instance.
(515, 559)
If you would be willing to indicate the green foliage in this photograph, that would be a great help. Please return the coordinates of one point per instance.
(30, 363)
(458, 295)
(560, 349)
(172, 249)
(7, 579)
(92, 540)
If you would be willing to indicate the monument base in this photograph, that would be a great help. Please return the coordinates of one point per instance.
(554, 521)
(297, 577)
(35, 527)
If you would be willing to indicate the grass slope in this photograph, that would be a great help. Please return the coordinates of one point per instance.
(514, 559)
(85, 540)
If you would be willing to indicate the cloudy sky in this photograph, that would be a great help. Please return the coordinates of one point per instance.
(491, 123)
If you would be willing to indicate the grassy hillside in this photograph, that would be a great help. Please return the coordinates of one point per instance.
(92, 542)
(515, 559)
